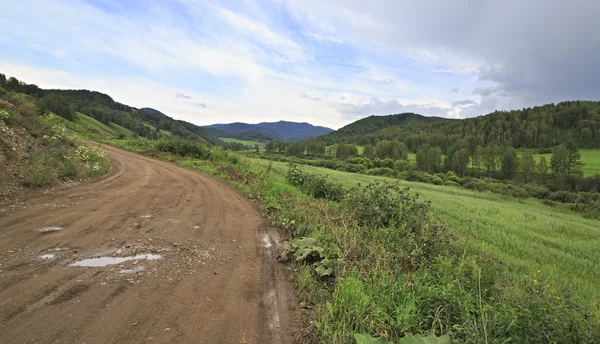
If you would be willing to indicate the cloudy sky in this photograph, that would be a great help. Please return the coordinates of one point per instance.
(326, 62)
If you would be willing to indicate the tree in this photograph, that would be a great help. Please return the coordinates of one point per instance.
(256, 148)
(391, 149)
(559, 163)
(429, 158)
(489, 159)
(59, 105)
(574, 163)
(315, 148)
(510, 162)
(270, 147)
(344, 151)
(542, 168)
(586, 137)
(477, 158)
(296, 149)
(527, 166)
(461, 161)
(369, 151)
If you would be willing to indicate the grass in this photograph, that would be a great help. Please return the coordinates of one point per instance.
(89, 128)
(244, 142)
(396, 273)
(525, 234)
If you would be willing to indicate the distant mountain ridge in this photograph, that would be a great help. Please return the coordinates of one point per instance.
(281, 131)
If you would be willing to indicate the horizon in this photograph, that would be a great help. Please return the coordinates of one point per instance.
(326, 64)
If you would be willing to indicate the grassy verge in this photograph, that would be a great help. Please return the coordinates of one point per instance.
(376, 262)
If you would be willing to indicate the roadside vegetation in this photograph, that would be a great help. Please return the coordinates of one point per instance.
(375, 261)
(38, 149)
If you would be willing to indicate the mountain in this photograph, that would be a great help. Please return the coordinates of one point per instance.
(282, 130)
(372, 124)
(542, 127)
(144, 122)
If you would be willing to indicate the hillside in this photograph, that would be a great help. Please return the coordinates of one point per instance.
(355, 131)
(539, 127)
(280, 131)
(144, 122)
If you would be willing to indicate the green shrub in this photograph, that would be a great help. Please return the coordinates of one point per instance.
(385, 205)
(7, 116)
(316, 185)
(184, 148)
(38, 171)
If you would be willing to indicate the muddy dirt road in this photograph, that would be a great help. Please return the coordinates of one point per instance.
(189, 261)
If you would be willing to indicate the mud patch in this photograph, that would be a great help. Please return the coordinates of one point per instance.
(70, 294)
(51, 229)
(104, 261)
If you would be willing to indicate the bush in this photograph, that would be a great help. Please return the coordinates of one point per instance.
(185, 148)
(38, 171)
(384, 205)
(316, 185)
(382, 171)
(7, 117)
(451, 183)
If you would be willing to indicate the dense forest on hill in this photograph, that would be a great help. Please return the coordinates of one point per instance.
(357, 132)
(143, 122)
(543, 126)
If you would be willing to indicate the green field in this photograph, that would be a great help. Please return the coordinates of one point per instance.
(590, 157)
(524, 234)
(244, 142)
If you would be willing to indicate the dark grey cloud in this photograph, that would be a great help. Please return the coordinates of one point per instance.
(455, 90)
(202, 105)
(181, 95)
(376, 106)
(464, 102)
(528, 52)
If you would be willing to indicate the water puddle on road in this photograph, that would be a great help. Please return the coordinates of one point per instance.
(266, 243)
(104, 261)
(47, 256)
(51, 229)
(131, 271)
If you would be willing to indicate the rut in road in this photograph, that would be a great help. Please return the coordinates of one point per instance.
(211, 278)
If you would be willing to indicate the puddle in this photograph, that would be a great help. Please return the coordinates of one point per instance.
(51, 229)
(265, 241)
(104, 261)
(147, 216)
(196, 227)
(47, 256)
(131, 271)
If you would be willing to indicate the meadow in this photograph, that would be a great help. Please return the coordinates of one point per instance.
(244, 142)
(524, 234)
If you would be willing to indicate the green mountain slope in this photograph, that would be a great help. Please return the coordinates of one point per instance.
(355, 132)
(101, 107)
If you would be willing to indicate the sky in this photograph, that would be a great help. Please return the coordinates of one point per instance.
(326, 62)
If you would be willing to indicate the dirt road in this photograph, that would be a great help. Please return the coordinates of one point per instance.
(191, 262)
